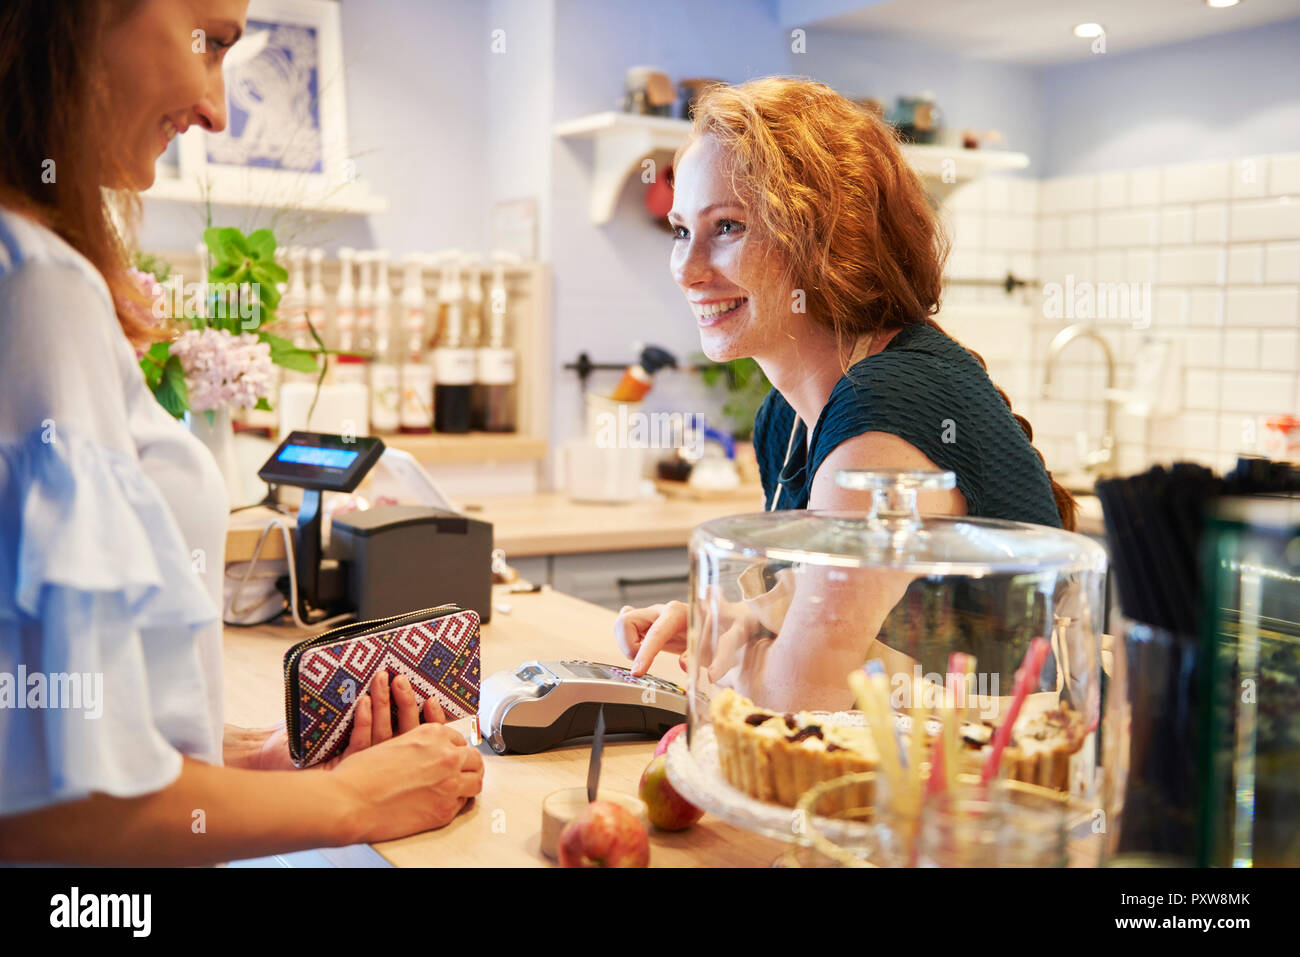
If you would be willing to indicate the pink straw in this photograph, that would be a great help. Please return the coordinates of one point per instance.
(1026, 678)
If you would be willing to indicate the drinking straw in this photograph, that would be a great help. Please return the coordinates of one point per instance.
(870, 689)
(915, 752)
(943, 765)
(1026, 678)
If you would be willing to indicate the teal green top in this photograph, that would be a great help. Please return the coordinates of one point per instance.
(929, 391)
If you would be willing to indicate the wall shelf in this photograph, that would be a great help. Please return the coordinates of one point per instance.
(482, 448)
(623, 140)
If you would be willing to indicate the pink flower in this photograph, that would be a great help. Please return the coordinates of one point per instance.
(223, 370)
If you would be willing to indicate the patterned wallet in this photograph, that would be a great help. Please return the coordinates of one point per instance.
(325, 676)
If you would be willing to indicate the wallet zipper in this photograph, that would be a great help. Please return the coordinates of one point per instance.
(343, 631)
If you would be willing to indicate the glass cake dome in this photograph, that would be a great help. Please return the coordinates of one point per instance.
(805, 626)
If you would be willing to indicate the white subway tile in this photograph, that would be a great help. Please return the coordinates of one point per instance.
(1171, 307)
(967, 197)
(1126, 228)
(1265, 219)
(1210, 223)
(997, 194)
(1249, 177)
(1141, 265)
(1024, 195)
(962, 264)
(1009, 232)
(1068, 194)
(1284, 175)
(1195, 182)
(1258, 393)
(1112, 190)
(1080, 231)
(1176, 225)
(1278, 350)
(1051, 233)
(1202, 391)
(1274, 306)
(1188, 430)
(1240, 348)
(1144, 186)
(1240, 433)
(1111, 266)
(1205, 307)
(966, 231)
(1282, 262)
(1202, 347)
(1245, 264)
(1191, 265)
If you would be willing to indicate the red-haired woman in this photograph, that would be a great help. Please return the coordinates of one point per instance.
(804, 240)
(106, 502)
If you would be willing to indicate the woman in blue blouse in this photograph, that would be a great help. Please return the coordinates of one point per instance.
(804, 240)
(113, 517)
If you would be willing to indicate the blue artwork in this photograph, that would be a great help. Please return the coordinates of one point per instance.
(273, 102)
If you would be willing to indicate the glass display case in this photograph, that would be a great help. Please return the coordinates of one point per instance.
(827, 644)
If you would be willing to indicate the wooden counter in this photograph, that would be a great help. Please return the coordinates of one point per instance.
(501, 828)
(550, 524)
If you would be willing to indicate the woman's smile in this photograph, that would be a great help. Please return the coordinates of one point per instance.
(712, 312)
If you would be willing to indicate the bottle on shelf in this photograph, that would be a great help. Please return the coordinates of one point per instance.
(472, 275)
(385, 389)
(453, 359)
(416, 410)
(316, 300)
(348, 368)
(493, 400)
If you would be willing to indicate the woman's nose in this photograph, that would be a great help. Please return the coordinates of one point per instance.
(211, 110)
(694, 266)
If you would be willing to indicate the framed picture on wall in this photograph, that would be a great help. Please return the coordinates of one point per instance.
(286, 129)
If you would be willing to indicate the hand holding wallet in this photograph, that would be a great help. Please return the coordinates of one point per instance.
(437, 649)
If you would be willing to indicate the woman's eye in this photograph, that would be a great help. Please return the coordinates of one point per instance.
(730, 226)
(679, 232)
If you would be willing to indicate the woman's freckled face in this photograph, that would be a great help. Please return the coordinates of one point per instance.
(719, 260)
(163, 77)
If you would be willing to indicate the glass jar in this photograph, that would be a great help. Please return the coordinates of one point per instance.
(784, 606)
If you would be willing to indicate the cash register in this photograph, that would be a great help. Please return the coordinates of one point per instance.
(380, 561)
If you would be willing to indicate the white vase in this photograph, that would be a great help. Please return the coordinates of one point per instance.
(219, 437)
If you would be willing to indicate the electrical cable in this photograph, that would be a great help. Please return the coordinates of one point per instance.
(293, 581)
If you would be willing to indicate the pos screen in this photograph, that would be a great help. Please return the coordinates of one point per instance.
(314, 460)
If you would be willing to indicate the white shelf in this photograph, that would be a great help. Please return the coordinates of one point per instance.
(623, 140)
(354, 197)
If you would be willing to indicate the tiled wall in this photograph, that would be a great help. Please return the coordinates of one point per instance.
(1215, 246)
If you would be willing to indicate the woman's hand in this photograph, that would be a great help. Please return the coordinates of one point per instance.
(416, 781)
(644, 632)
(380, 700)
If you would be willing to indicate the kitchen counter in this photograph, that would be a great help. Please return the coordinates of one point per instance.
(551, 524)
(501, 828)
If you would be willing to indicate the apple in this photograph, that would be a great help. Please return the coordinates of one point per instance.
(667, 739)
(604, 835)
(668, 810)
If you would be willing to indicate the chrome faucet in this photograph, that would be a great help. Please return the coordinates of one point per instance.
(1099, 461)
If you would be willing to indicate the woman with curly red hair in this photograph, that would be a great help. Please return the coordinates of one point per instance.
(803, 239)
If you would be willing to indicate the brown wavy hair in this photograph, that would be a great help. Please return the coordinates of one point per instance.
(825, 182)
(55, 119)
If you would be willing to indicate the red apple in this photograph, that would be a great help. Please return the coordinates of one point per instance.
(604, 835)
(667, 739)
(668, 810)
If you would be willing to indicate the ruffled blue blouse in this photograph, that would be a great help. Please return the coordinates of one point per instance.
(112, 537)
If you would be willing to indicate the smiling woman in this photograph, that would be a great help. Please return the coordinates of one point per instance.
(110, 510)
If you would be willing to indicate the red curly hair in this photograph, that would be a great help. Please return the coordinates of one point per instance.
(826, 183)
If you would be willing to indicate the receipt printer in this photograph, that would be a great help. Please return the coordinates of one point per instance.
(405, 557)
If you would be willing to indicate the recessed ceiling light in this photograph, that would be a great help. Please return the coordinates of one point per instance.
(1088, 30)
(1221, 3)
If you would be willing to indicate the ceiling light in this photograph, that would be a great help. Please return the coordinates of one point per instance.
(1218, 4)
(1088, 30)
